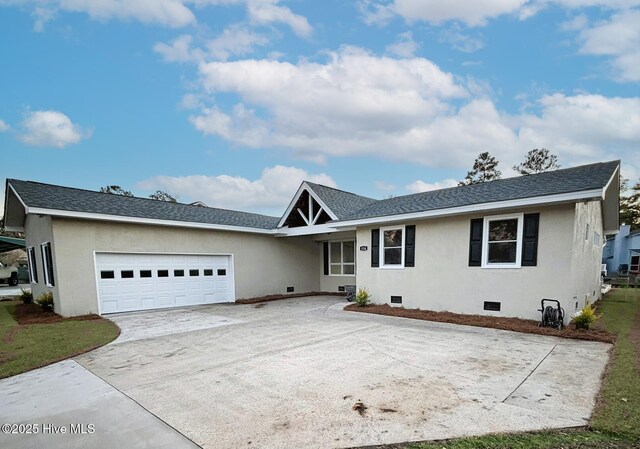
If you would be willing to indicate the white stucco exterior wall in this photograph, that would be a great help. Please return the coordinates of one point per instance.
(38, 230)
(586, 255)
(262, 264)
(443, 281)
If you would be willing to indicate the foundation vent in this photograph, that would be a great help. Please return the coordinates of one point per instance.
(396, 300)
(290, 289)
(493, 306)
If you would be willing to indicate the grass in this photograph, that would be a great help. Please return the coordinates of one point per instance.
(616, 419)
(25, 347)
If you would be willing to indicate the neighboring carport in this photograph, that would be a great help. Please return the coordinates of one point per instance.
(11, 243)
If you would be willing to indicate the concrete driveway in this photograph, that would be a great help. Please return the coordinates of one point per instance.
(288, 373)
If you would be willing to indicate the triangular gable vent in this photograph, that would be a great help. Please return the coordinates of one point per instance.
(306, 211)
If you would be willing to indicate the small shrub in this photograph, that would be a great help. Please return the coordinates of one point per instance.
(45, 301)
(363, 297)
(25, 296)
(584, 318)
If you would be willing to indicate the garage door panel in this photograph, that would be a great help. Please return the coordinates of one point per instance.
(128, 282)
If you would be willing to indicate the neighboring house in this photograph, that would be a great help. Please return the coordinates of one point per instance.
(495, 248)
(622, 249)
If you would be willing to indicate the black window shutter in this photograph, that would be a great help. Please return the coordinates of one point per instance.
(325, 257)
(375, 247)
(530, 240)
(475, 243)
(410, 246)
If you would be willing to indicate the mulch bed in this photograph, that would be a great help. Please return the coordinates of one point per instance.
(34, 314)
(509, 324)
(266, 298)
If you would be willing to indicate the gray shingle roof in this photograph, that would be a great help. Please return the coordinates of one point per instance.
(340, 202)
(49, 196)
(347, 206)
(576, 179)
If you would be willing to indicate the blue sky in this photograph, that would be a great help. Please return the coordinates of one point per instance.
(235, 102)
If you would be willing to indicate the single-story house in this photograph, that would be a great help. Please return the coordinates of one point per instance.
(622, 252)
(495, 248)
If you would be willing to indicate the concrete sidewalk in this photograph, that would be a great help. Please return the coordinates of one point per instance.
(65, 397)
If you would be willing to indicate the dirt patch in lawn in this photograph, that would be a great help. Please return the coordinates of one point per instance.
(34, 314)
(266, 298)
(509, 324)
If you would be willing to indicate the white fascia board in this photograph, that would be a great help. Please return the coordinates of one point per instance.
(474, 208)
(321, 203)
(150, 221)
(307, 230)
(18, 196)
(616, 172)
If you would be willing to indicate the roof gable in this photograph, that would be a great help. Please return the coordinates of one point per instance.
(315, 204)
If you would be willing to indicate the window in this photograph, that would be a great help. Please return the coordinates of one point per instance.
(342, 258)
(47, 264)
(163, 273)
(222, 272)
(208, 272)
(178, 273)
(596, 239)
(391, 245)
(194, 272)
(502, 241)
(126, 274)
(33, 270)
(145, 273)
(107, 274)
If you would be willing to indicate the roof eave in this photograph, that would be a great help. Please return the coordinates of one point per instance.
(548, 200)
(149, 221)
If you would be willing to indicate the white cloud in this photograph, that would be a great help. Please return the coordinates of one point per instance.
(384, 186)
(270, 193)
(234, 41)
(266, 12)
(461, 41)
(475, 13)
(584, 127)
(172, 13)
(50, 129)
(421, 186)
(359, 104)
(618, 37)
(404, 47)
(471, 13)
(4, 126)
(179, 50)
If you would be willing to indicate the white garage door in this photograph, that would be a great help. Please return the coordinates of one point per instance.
(128, 282)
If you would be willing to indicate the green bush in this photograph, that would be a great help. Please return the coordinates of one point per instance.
(25, 296)
(363, 297)
(45, 301)
(585, 317)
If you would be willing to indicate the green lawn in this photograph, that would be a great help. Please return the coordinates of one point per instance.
(616, 420)
(25, 347)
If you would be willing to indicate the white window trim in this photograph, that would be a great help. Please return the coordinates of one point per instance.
(31, 258)
(342, 262)
(45, 264)
(485, 241)
(381, 263)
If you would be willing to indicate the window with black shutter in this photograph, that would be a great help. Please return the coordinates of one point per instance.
(475, 243)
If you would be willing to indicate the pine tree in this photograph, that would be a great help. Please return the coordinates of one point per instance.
(162, 196)
(537, 161)
(115, 190)
(485, 168)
